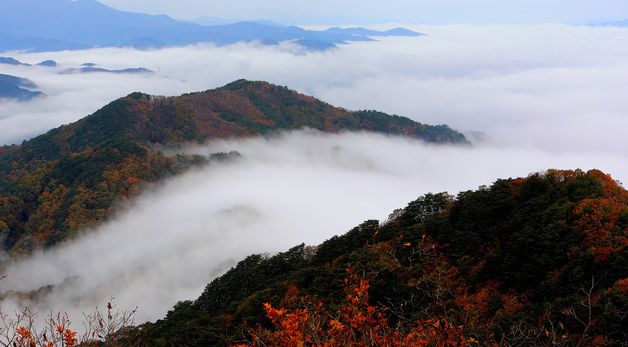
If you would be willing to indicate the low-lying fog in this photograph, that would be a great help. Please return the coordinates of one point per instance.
(299, 187)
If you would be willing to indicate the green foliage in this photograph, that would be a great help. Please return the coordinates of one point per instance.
(381, 122)
(505, 261)
(340, 245)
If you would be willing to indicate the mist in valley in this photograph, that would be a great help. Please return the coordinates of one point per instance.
(299, 187)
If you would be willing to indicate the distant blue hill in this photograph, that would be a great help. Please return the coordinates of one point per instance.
(52, 25)
(623, 23)
(13, 87)
(48, 63)
(11, 61)
(620, 23)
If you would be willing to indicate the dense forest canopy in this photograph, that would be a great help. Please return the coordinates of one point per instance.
(541, 260)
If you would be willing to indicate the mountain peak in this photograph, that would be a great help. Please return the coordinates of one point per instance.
(247, 84)
(249, 107)
(129, 131)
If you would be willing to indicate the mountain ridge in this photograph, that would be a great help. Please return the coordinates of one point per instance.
(68, 25)
(72, 177)
(508, 264)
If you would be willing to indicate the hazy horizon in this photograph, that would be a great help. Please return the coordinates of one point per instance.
(397, 11)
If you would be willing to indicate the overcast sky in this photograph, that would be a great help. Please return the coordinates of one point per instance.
(379, 11)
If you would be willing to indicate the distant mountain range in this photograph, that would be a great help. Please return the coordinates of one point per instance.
(13, 87)
(110, 154)
(52, 25)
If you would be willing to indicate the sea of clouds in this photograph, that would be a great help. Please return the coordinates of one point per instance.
(299, 187)
(543, 96)
(555, 87)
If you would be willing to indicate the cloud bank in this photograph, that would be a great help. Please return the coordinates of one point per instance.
(298, 187)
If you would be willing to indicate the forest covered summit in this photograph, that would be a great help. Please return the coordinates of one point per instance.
(71, 177)
(535, 261)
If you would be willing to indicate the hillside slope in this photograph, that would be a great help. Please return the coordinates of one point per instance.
(70, 178)
(536, 261)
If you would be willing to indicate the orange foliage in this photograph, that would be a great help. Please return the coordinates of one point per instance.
(622, 286)
(354, 323)
(25, 338)
(598, 218)
(69, 338)
(611, 189)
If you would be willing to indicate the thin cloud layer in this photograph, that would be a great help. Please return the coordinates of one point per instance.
(298, 187)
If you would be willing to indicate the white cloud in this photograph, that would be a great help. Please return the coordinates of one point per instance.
(299, 187)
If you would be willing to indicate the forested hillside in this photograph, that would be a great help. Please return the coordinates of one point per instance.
(535, 261)
(71, 177)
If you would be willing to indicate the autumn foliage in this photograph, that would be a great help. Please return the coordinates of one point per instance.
(534, 261)
(354, 323)
(27, 329)
(74, 177)
(25, 338)
(22, 331)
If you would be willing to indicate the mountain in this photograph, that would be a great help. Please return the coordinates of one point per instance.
(71, 177)
(50, 25)
(11, 61)
(34, 44)
(88, 22)
(535, 261)
(48, 63)
(13, 87)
